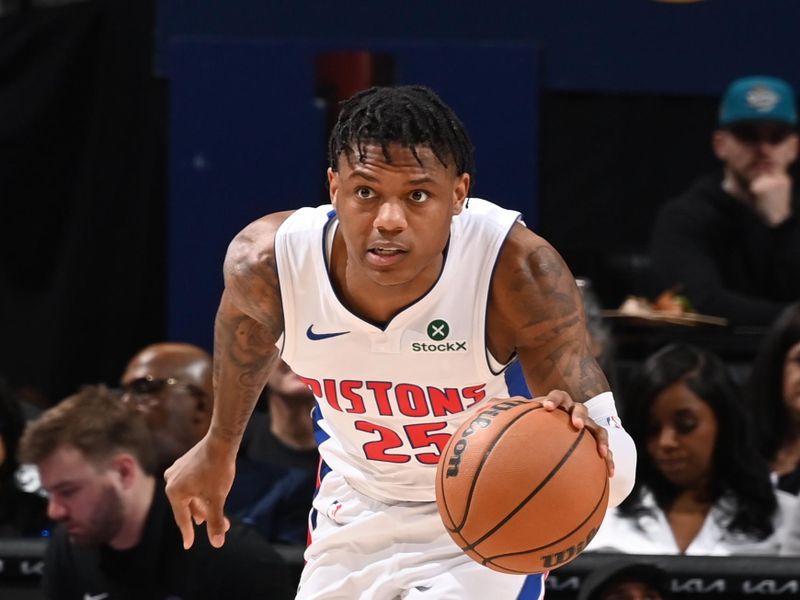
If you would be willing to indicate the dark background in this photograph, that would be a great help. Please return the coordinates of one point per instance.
(622, 98)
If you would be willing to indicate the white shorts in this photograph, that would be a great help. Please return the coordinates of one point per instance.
(362, 548)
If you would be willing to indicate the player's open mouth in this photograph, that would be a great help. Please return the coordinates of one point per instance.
(386, 251)
(384, 256)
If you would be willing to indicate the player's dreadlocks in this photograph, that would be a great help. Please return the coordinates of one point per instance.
(411, 116)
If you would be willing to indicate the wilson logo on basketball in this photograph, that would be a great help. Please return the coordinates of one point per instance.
(551, 561)
(482, 421)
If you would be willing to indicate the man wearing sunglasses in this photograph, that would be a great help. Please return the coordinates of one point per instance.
(170, 383)
(731, 243)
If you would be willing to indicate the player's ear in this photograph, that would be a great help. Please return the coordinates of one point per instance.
(333, 185)
(125, 466)
(460, 192)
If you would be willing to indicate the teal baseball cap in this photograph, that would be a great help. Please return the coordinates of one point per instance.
(758, 98)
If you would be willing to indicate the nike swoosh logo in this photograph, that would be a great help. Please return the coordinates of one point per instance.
(322, 336)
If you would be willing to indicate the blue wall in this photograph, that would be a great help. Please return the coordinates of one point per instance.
(605, 45)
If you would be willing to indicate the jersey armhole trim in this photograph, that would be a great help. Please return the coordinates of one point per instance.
(495, 366)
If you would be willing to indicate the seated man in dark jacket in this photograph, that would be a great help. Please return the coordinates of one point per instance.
(117, 537)
(731, 243)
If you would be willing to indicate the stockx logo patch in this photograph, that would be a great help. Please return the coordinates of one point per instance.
(437, 331)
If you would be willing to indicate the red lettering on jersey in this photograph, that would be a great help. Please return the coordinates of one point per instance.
(476, 393)
(347, 388)
(411, 400)
(421, 435)
(445, 402)
(407, 399)
(380, 389)
(330, 393)
(388, 439)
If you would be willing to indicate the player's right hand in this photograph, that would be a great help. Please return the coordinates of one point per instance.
(197, 485)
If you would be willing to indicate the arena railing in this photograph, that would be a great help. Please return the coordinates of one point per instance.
(722, 577)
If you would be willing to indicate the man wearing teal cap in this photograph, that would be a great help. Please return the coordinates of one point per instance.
(731, 243)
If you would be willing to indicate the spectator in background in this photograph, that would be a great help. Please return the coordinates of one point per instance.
(774, 396)
(170, 383)
(731, 243)
(117, 537)
(276, 470)
(283, 433)
(701, 486)
(626, 580)
(22, 514)
(791, 535)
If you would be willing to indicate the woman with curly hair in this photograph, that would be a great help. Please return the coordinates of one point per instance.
(774, 395)
(701, 488)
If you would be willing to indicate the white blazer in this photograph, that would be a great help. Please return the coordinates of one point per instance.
(652, 534)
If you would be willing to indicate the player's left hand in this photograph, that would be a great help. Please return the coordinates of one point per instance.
(580, 419)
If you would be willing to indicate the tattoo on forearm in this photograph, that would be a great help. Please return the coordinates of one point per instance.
(551, 330)
(571, 364)
(247, 348)
(248, 323)
(592, 380)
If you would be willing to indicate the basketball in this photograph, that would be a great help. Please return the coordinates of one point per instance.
(519, 489)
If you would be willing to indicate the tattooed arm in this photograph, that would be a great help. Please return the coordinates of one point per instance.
(249, 321)
(536, 312)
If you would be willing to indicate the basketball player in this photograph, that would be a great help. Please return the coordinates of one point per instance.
(400, 306)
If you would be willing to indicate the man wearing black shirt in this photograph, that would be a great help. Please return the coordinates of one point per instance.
(117, 538)
(731, 243)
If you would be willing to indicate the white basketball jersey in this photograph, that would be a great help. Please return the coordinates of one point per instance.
(390, 397)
